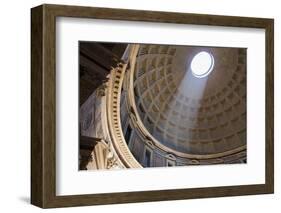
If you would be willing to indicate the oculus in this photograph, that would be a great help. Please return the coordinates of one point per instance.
(202, 64)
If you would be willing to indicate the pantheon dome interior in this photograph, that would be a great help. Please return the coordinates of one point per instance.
(150, 105)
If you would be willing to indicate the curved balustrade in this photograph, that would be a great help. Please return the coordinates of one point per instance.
(113, 110)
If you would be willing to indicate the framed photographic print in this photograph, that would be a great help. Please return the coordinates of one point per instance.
(135, 106)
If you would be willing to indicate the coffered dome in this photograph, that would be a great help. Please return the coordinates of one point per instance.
(189, 113)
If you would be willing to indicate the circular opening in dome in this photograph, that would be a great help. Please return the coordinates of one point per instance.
(202, 64)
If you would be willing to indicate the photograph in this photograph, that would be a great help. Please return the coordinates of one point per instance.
(158, 105)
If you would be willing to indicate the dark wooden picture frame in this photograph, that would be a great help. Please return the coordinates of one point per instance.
(43, 105)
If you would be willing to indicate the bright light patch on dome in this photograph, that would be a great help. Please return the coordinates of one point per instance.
(202, 64)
